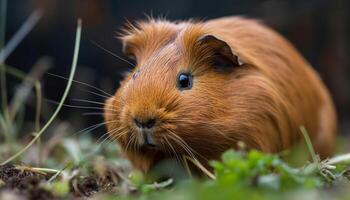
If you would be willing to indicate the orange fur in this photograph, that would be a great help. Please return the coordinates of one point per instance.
(262, 103)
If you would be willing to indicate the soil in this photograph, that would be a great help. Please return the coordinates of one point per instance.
(24, 183)
(28, 184)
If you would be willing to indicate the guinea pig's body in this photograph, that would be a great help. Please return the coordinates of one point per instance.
(200, 87)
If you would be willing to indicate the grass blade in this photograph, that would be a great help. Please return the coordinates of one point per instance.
(28, 82)
(2, 123)
(23, 31)
(309, 144)
(21, 75)
(65, 94)
(7, 50)
(3, 7)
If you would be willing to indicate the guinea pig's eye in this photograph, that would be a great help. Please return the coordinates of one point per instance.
(136, 74)
(184, 81)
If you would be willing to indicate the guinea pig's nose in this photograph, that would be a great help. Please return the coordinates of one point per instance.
(145, 124)
(148, 139)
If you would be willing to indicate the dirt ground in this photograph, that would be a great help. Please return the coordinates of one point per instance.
(25, 183)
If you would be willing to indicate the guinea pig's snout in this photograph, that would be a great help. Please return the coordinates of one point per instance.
(145, 124)
(145, 128)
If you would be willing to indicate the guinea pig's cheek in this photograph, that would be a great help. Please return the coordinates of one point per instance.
(108, 108)
(125, 117)
(168, 126)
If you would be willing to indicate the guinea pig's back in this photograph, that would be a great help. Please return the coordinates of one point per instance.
(304, 98)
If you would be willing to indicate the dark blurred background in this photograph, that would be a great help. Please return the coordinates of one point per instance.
(319, 29)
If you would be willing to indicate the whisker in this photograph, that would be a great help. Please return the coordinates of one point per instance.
(82, 83)
(100, 95)
(98, 113)
(111, 53)
(186, 146)
(115, 137)
(108, 135)
(213, 128)
(130, 139)
(93, 127)
(135, 146)
(165, 148)
(178, 160)
(194, 160)
(182, 145)
(89, 101)
(105, 137)
(80, 107)
(122, 131)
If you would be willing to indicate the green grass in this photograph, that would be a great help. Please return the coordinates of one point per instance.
(64, 96)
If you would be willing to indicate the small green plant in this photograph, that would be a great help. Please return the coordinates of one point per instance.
(258, 175)
(253, 175)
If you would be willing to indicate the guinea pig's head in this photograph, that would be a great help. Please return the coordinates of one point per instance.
(173, 102)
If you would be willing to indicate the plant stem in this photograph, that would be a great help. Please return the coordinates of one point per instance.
(37, 117)
(65, 94)
(3, 7)
(3, 89)
(309, 144)
(46, 170)
(345, 158)
(5, 51)
(23, 31)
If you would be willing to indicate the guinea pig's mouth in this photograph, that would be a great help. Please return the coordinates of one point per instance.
(149, 146)
(146, 139)
(153, 148)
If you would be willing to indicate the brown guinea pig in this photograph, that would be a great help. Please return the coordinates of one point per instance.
(200, 87)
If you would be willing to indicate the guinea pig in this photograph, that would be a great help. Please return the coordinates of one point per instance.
(199, 88)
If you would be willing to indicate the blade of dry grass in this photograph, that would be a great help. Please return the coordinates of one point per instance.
(59, 172)
(64, 96)
(39, 97)
(160, 185)
(200, 166)
(344, 159)
(48, 170)
(29, 81)
(21, 75)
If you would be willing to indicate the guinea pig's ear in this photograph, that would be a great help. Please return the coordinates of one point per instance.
(128, 47)
(224, 59)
